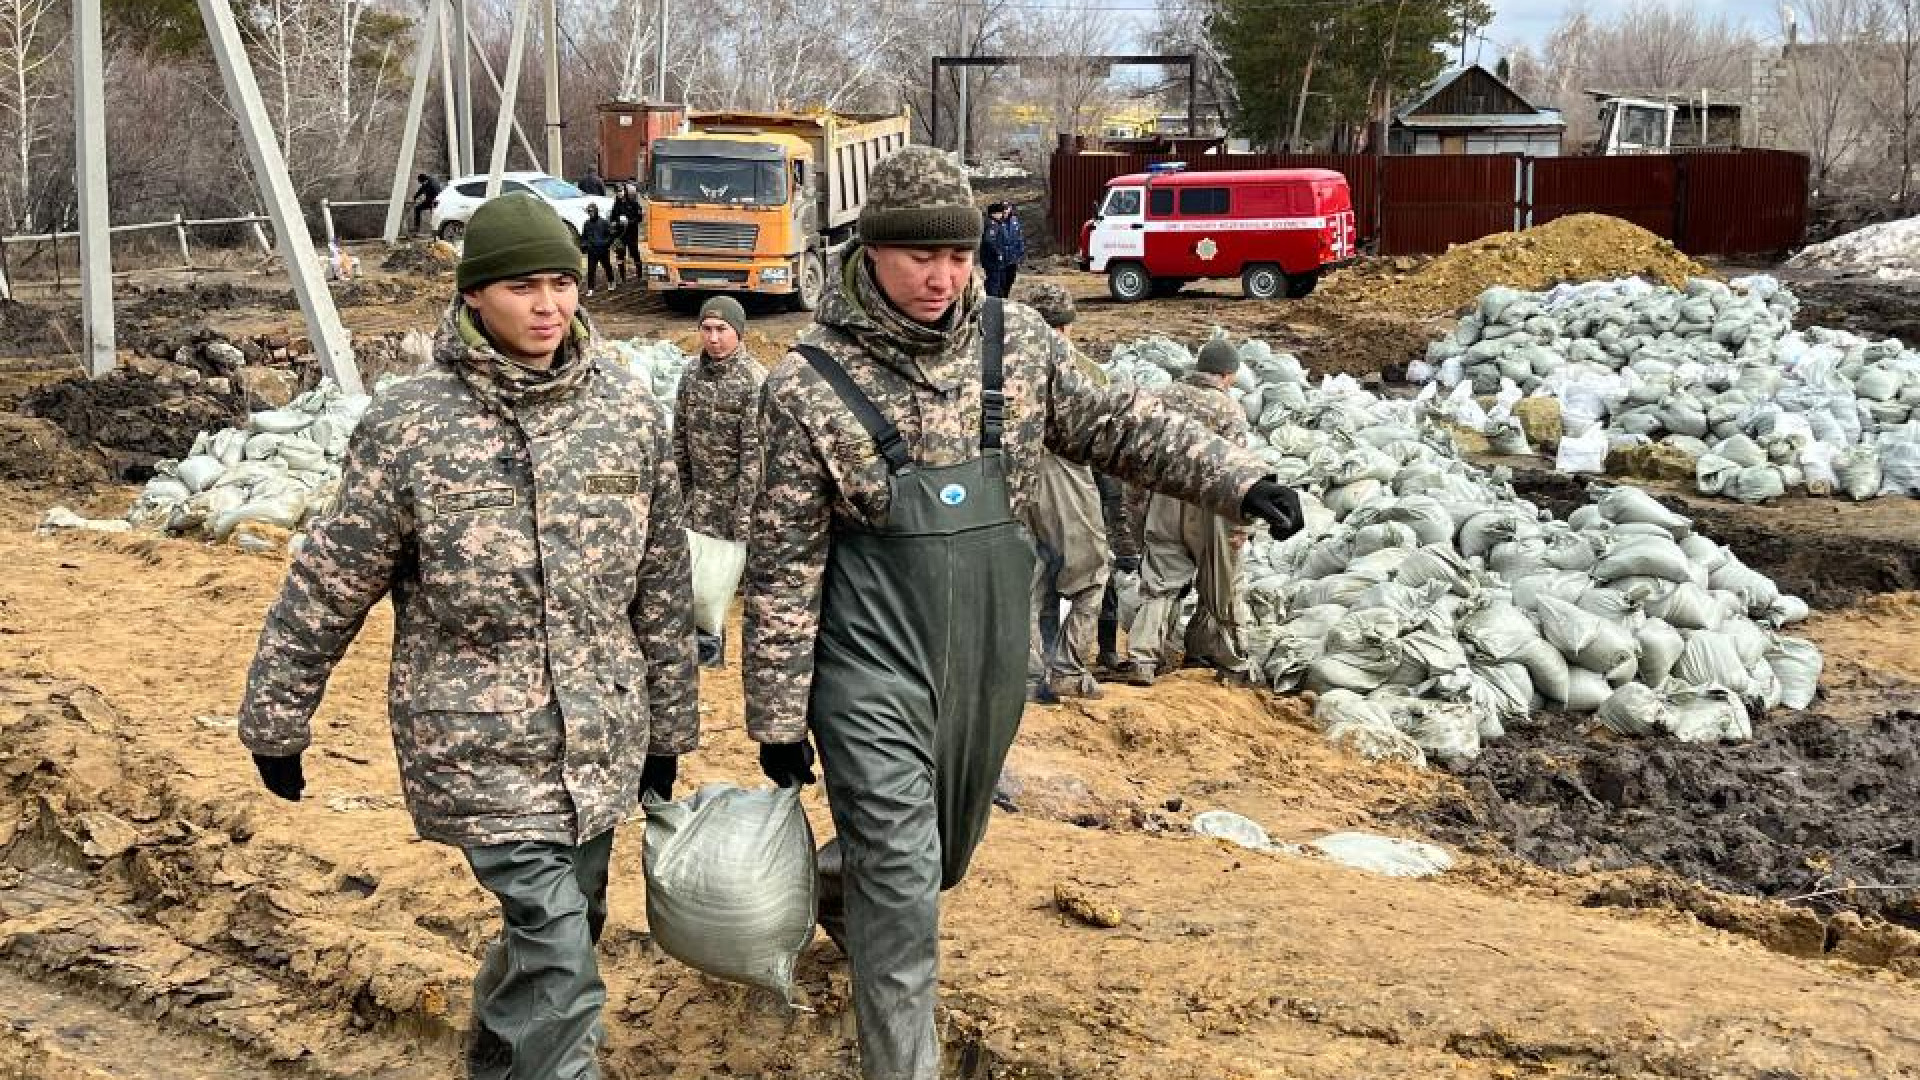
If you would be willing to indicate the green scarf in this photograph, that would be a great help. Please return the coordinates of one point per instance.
(503, 383)
(860, 310)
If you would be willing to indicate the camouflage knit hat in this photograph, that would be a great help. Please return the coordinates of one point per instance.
(919, 197)
(1054, 303)
(727, 310)
(514, 236)
(1219, 357)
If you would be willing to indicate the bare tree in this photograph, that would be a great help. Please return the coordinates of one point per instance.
(1830, 82)
(27, 45)
(1072, 93)
(1645, 45)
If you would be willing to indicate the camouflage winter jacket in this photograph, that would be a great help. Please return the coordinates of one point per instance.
(527, 525)
(821, 464)
(1200, 396)
(716, 441)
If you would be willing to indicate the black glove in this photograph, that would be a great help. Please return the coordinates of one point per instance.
(657, 775)
(282, 775)
(787, 764)
(1275, 504)
(1127, 564)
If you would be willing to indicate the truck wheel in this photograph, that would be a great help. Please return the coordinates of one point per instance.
(1300, 286)
(1167, 286)
(452, 231)
(812, 283)
(1128, 282)
(682, 301)
(1262, 281)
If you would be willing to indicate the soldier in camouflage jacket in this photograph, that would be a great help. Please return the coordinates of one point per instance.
(889, 580)
(523, 511)
(1190, 546)
(716, 440)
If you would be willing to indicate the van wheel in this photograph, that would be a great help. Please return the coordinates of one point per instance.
(1129, 282)
(812, 283)
(1167, 286)
(1262, 281)
(1300, 286)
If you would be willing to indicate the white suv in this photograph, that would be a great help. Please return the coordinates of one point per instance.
(459, 199)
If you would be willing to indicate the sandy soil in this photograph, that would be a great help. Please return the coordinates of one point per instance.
(148, 871)
(162, 917)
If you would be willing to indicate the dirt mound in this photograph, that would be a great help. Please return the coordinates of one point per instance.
(137, 417)
(192, 301)
(1805, 812)
(371, 292)
(26, 330)
(1580, 247)
(36, 453)
(426, 257)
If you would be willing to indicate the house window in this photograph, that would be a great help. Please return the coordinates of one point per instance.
(1203, 201)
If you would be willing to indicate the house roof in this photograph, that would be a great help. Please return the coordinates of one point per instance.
(1448, 78)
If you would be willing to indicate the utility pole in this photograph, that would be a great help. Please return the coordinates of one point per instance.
(447, 102)
(423, 57)
(509, 93)
(270, 172)
(96, 242)
(463, 83)
(660, 57)
(966, 49)
(555, 163)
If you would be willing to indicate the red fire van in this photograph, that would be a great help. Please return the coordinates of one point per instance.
(1276, 229)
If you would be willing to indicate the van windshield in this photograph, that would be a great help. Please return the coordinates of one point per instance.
(1122, 202)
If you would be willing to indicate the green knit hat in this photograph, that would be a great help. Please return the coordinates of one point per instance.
(727, 310)
(515, 236)
(1219, 357)
(919, 197)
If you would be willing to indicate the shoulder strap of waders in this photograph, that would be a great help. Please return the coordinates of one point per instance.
(886, 436)
(993, 344)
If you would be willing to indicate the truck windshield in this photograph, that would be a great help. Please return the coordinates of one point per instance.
(719, 180)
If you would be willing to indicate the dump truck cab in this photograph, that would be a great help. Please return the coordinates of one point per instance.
(758, 203)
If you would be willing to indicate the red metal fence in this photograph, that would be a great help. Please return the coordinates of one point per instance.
(1737, 203)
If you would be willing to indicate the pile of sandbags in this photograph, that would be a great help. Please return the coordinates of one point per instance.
(282, 466)
(1713, 378)
(660, 364)
(279, 469)
(1429, 605)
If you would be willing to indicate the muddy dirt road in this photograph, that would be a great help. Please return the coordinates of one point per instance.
(147, 872)
(1617, 908)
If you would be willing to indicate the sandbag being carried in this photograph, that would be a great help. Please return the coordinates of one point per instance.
(717, 566)
(731, 883)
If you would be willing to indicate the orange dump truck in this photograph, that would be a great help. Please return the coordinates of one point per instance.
(759, 202)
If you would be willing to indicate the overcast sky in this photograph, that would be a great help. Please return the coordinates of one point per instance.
(1528, 22)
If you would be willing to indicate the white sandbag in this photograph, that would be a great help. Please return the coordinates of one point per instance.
(1586, 690)
(1660, 648)
(1711, 659)
(1688, 607)
(279, 421)
(1583, 453)
(1643, 557)
(1126, 594)
(1624, 505)
(1858, 470)
(1344, 499)
(1787, 610)
(199, 473)
(1496, 630)
(1796, 664)
(1816, 464)
(1385, 855)
(1386, 534)
(730, 883)
(1635, 709)
(1756, 590)
(1707, 714)
(1435, 563)
(1376, 743)
(283, 511)
(1547, 670)
(1347, 707)
(1234, 828)
(717, 566)
(1564, 625)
